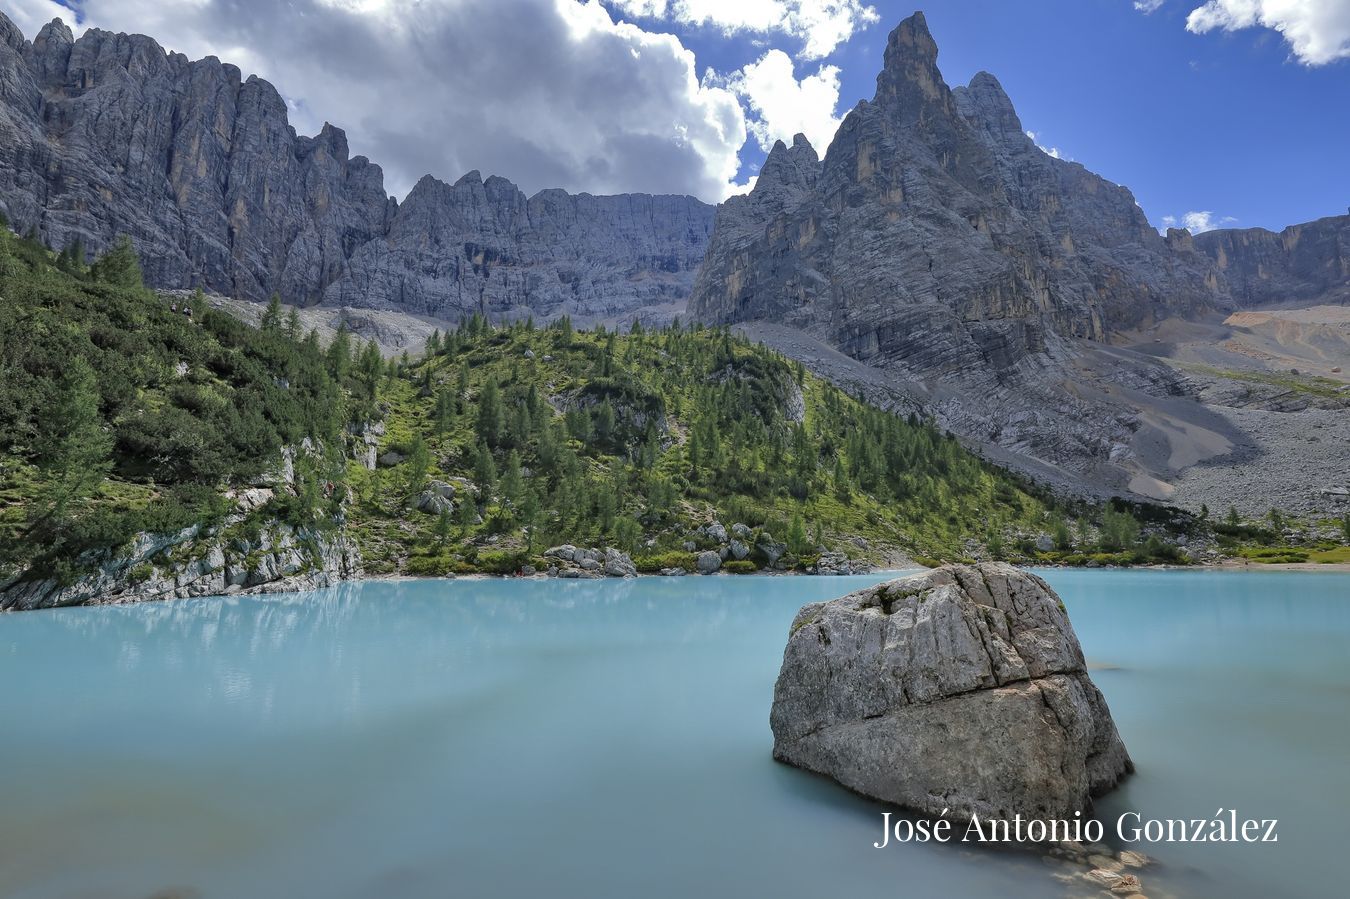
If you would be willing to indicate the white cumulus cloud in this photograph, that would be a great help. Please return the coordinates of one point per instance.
(548, 93)
(1048, 151)
(781, 106)
(1196, 222)
(1148, 7)
(1318, 31)
(821, 25)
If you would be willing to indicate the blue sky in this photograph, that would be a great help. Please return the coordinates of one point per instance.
(1240, 119)
(1225, 122)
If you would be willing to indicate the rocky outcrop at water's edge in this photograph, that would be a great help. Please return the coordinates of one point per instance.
(248, 551)
(962, 689)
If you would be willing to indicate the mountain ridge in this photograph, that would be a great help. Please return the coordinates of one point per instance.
(111, 134)
(1012, 294)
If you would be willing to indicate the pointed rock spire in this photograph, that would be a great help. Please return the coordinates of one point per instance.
(911, 41)
(795, 167)
(56, 30)
(986, 105)
(909, 79)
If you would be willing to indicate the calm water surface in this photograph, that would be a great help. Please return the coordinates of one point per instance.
(605, 738)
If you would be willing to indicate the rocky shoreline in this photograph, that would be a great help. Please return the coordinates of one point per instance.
(285, 562)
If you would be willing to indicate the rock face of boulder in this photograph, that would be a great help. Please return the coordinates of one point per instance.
(961, 689)
(200, 166)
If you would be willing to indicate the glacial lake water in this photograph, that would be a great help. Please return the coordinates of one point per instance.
(608, 738)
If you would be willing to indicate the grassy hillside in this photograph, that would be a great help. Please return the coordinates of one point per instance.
(632, 439)
(120, 414)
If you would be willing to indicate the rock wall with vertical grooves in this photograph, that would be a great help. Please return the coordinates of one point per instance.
(110, 134)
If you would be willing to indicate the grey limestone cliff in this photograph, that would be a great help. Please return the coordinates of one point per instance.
(1302, 264)
(110, 134)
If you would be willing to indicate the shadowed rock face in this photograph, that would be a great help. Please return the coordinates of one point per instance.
(109, 134)
(962, 688)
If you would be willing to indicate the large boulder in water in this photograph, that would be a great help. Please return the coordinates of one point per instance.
(962, 688)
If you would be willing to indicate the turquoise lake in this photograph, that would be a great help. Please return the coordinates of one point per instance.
(610, 738)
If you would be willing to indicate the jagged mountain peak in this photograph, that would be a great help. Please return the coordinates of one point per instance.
(910, 81)
(988, 108)
(796, 166)
(908, 42)
(55, 30)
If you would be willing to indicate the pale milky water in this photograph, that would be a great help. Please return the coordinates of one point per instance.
(606, 738)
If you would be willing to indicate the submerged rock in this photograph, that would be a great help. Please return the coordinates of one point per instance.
(962, 688)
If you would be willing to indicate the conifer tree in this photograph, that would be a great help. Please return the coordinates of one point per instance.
(73, 449)
(443, 415)
(490, 414)
(444, 525)
(512, 484)
(340, 354)
(468, 514)
(72, 257)
(370, 368)
(120, 266)
(462, 387)
(484, 471)
(271, 317)
(1060, 534)
(796, 536)
(8, 265)
(605, 423)
(842, 490)
(419, 464)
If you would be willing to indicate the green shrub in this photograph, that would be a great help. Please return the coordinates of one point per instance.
(674, 559)
(429, 566)
(503, 562)
(1273, 555)
(741, 566)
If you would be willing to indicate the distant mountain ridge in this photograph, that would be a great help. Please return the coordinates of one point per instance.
(110, 134)
(932, 206)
